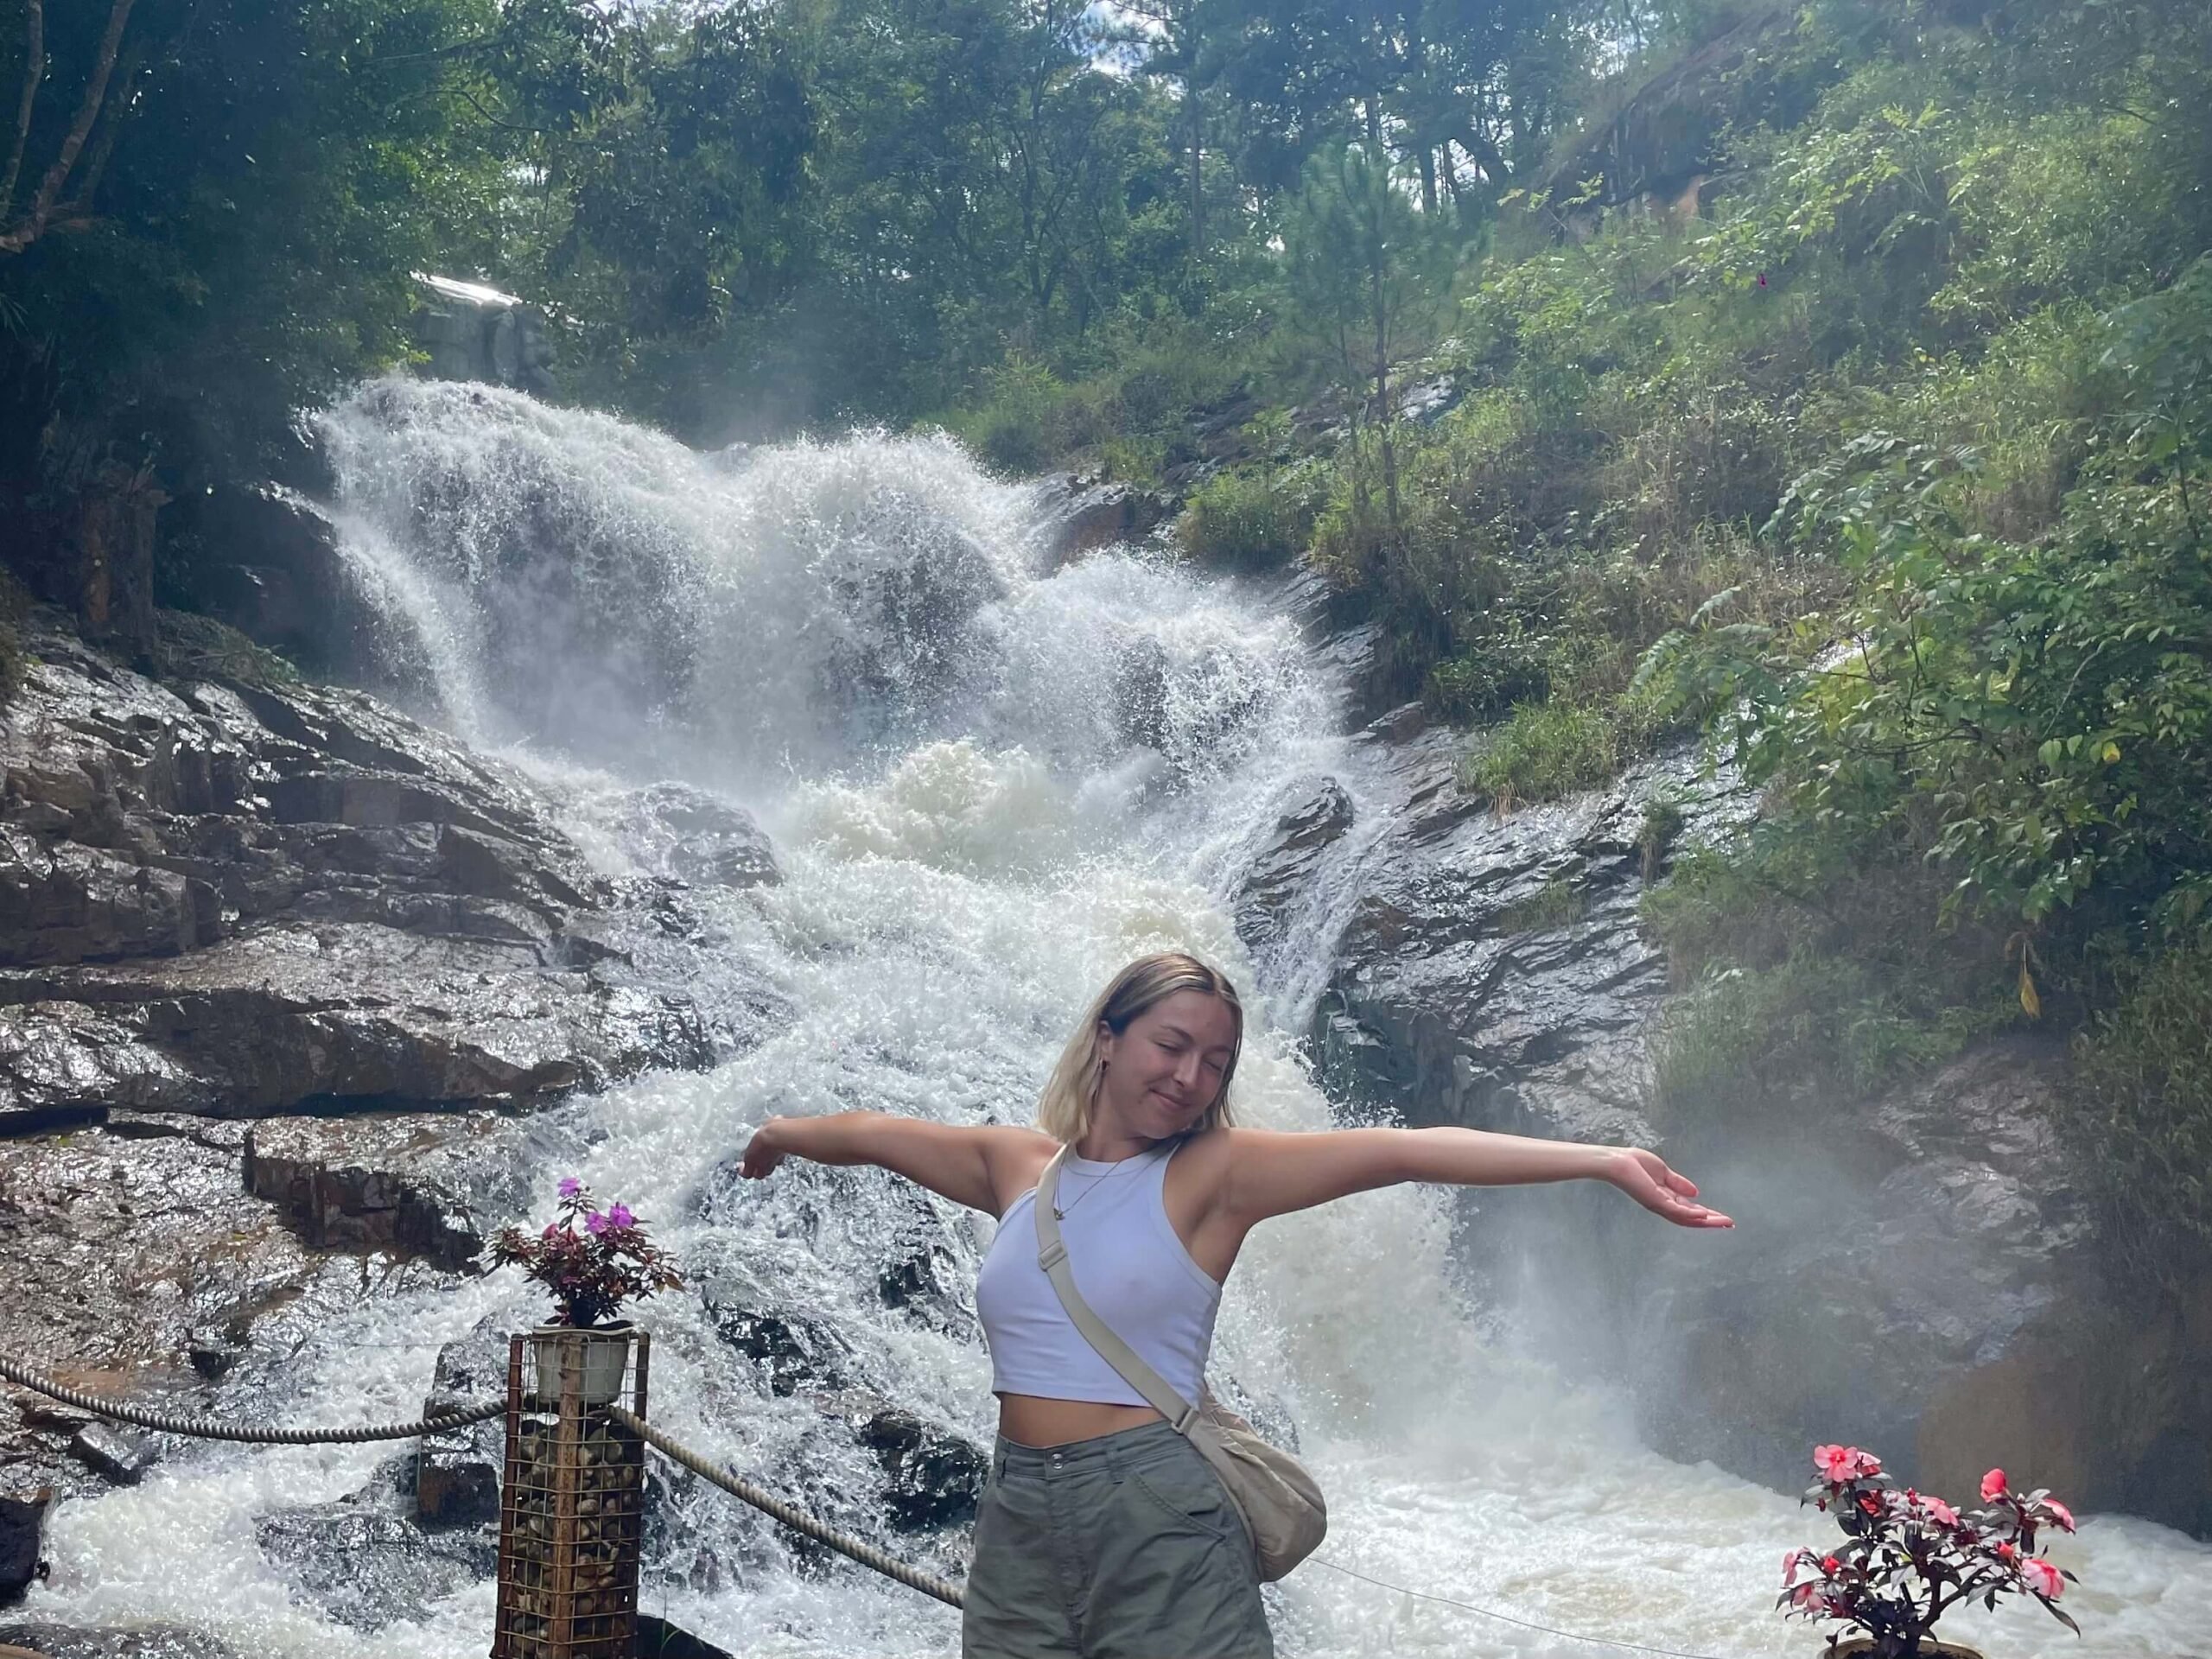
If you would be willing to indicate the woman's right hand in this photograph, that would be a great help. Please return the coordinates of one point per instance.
(767, 1148)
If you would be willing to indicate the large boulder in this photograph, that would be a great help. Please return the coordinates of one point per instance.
(1918, 1273)
(1915, 1272)
(1492, 971)
(1081, 515)
(236, 899)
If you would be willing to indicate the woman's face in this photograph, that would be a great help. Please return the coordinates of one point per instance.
(1164, 1072)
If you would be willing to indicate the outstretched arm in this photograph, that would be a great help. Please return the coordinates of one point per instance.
(1271, 1174)
(982, 1168)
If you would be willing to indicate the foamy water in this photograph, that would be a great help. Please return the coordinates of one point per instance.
(1077, 778)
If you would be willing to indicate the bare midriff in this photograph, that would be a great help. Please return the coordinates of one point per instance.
(1032, 1420)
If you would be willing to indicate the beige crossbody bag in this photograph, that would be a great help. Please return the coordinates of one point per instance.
(1281, 1507)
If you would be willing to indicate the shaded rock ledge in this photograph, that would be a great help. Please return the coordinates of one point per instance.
(1913, 1271)
(235, 901)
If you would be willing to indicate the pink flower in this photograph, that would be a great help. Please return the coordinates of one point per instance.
(2008, 1552)
(595, 1224)
(618, 1214)
(1829, 1565)
(1940, 1512)
(2062, 1515)
(1992, 1485)
(1789, 1566)
(570, 1186)
(1842, 1462)
(2043, 1578)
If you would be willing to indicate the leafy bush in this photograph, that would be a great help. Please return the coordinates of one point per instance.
(1250, 520)
(2141, 1108)
(1544, 751)
(1019, 423)
(2035, 718)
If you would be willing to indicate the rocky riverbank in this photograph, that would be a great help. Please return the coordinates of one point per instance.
(226, 899)
(1913, 1270)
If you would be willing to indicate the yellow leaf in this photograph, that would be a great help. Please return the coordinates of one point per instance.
(2112, 753)
(2030, 1002)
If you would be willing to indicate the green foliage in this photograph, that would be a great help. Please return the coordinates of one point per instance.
(236, 236)
(2141, 1108)
(1809, 1027)
(1543, 750)
(1251, 520)
(1809, 978)
(2035, 719)
(1554, 905)
(191, 647)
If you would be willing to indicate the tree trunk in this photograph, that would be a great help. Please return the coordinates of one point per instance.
(103, 566)
(34, 71)
(33, 224)
(1376, 256)
(1197, 175)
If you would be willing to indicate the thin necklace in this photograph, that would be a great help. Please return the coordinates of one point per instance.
(1060, 1211)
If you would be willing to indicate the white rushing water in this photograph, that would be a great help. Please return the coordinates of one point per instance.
(991, 782)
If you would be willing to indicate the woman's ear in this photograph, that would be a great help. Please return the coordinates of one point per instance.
(1105, 1044)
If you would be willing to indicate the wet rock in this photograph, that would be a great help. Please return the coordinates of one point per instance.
(266, 561)
(1323, 812)
(697, 837)
(457, 1475)
(119, 1252)
(659, 1639)
(935, 1476)
(1493, 973)
(233, 900)
(791, 1352)
(22, 1542)
(365, 1563)
(116, 1453)
(348, 1186)
(1085, 514)
(1924, 1280)
(1962, 1317)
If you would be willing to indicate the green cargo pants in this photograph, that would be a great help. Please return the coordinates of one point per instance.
(1125, 1547)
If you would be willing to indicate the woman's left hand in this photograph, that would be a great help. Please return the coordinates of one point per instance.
(1645, 1177)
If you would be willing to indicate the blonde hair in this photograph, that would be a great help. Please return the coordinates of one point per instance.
(1071, 1096)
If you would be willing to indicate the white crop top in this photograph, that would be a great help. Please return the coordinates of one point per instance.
(1130, 1266)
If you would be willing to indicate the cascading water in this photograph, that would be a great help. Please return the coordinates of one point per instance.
(991, 782)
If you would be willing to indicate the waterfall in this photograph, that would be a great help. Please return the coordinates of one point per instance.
(992, 780)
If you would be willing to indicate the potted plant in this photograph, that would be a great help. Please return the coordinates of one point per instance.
(592, 1261)
(1907, 1558)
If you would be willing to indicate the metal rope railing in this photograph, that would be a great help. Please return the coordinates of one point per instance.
(788, 1514)
(209, 1428)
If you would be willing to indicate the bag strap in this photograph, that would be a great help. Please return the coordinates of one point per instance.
(1053, 1257)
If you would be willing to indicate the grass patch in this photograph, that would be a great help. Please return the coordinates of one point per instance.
(1543, 750)
(1250, 520)
(1811, 1027)
(190, 647)
(1556, 903)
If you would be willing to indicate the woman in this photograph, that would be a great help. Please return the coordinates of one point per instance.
(1103, 1533)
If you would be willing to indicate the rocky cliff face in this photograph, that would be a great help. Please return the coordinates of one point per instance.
(232, 900)
(223, 900)
(1913, 1272)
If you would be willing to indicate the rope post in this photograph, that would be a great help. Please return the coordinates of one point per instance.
(572, 1508)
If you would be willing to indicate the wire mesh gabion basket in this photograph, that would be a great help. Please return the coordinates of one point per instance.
(571, 1507)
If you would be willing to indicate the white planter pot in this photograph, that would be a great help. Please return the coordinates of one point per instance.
(597, 1359)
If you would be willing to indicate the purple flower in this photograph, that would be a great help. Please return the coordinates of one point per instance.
(570, 1186)
(596, 1223)
(618, 1214)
